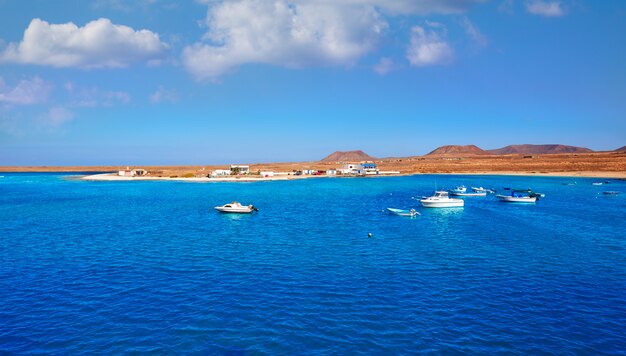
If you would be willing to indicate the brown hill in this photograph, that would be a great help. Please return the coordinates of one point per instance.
(538, 149)
(456, 150)
(621, 149)
(348, 156)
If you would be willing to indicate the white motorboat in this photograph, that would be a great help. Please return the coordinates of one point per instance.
(597, 183)
(460, 189)
(481, 189)
(441, 200)
(236, 207)
(517, 198)
(402, 212)
(469, 194)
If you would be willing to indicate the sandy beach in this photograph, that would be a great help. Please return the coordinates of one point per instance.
(597, 164)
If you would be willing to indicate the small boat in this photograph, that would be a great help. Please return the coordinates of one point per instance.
(235, 207)
(469, 194)
(517, 198)
(568, 183)
(481, 189)
(459, 189)
(441, 200)
(402, 212)
(610, 192)
(597, 183)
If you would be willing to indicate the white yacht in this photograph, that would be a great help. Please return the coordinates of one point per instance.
(441, 200)
(460, 189)
(481, 190)
(513, 198)
(236, 207)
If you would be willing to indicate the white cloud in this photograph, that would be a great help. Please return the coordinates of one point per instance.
(411, 7)
(474, 33)
(384, 66)
(99, 44)
(94, 97)
(545, 8)
(163, 95)
(283, 33)
(428, 46)
(55, 117)
(26, 92)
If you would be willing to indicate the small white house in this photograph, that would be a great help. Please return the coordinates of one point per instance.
(359, 168)
(308, 171)
(239, 169)
(369, 168)
(351, 168)
(331, 172)
(267, 174)
(220, 173)
(132, 172)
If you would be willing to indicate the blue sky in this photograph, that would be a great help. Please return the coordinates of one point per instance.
(201, 82)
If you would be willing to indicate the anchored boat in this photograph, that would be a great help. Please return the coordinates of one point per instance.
(235, 207)
(441, 200)
(481, 189)
(518, 197)
(402, 212)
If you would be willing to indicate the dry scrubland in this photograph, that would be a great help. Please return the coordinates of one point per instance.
(602, 164)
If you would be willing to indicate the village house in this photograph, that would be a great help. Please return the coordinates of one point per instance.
(239, 169)
(132, 172)
(359, 168)
(220, 173)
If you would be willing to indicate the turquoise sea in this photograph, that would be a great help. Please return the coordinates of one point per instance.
(150, 267)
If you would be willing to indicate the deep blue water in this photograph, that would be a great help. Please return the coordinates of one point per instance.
(112, 267)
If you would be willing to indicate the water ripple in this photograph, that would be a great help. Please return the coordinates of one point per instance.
(96, 267)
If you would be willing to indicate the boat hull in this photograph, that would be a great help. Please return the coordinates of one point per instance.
(401, 212)
(243, 209)
(475, 194)
(452, 203)
(511, 199)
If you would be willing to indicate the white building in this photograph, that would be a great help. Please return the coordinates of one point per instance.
(359, 168)
(220, 173)
(349, 168)
(239, 169)
(369, 168)
(331, 172)
(267, 174)
(132, 172)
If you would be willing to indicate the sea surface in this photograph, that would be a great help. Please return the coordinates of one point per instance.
(150, 267)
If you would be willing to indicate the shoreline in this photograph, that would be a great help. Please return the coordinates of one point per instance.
(587, 174)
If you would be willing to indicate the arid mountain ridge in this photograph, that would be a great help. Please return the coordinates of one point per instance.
(348, 156)
(511, 149)
(470, 150)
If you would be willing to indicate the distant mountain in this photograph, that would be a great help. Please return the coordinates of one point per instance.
(348, 156)
(621, 149)
(538, 149)
(456, 150)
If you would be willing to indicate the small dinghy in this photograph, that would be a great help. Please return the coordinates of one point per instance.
(610, 192)
(402, 212)
(237, 208)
